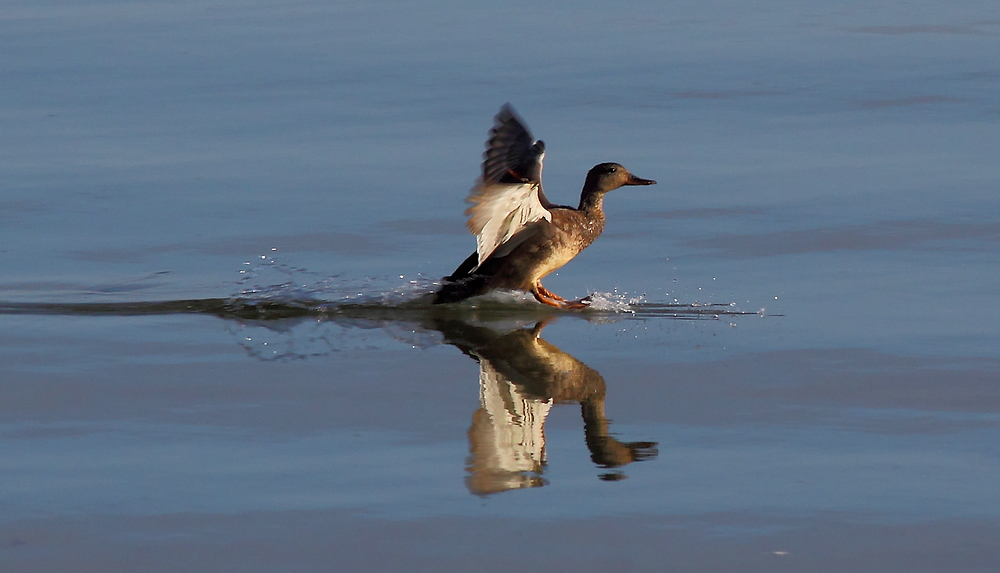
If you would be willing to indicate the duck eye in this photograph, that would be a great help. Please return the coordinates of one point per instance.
(612, 169)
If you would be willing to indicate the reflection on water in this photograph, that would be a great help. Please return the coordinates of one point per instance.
(520, 377)
(285, 322)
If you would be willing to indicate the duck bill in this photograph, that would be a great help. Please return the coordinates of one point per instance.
(633, 180)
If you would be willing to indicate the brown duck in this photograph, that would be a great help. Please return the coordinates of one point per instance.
(521, 236)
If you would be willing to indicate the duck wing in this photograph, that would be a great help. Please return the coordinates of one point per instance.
(502, 212)
(512, 155)
(508, 196)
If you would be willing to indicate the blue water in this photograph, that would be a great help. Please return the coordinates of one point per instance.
(831, 171)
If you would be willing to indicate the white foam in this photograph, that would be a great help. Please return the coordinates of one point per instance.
(614, 302)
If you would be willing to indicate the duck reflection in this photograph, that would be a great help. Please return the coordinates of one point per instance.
(521, 376)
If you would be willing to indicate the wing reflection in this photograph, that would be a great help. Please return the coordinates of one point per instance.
(520, 377)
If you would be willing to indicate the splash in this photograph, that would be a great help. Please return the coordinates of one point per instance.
(615, 301)
(270, 292)
(269, 288)
(268, 280)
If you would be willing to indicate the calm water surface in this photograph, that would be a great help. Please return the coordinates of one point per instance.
(217, 220)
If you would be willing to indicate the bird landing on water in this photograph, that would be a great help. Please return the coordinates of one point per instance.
(520, 235)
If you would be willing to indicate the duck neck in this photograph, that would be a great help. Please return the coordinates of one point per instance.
(592, 203)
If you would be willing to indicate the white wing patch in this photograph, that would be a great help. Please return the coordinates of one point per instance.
(499, 211)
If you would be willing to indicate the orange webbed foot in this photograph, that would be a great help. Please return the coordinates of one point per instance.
(545, 296)
(547, 293)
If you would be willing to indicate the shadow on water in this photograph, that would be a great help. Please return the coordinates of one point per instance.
(521, 376)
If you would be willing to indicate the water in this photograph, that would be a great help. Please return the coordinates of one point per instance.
(218, 220)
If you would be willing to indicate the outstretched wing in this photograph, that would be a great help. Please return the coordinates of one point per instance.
(501, 211)
(512, 154)
(508, 197)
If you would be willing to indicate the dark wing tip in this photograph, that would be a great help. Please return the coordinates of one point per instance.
(512, 155)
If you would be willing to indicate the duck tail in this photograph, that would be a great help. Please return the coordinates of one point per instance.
(461, 289)
(465, 269)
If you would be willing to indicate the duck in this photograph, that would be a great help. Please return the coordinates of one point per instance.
(521, 236)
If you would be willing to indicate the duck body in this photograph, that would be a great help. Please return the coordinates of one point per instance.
(551, 245)
(521, 236)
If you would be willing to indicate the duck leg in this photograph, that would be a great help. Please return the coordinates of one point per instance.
(539, 289)
(545, 296)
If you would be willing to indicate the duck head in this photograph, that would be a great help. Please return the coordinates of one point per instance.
(608, 177)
